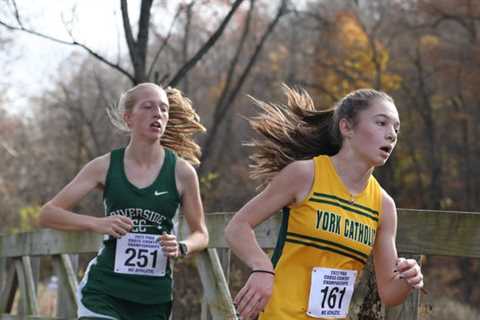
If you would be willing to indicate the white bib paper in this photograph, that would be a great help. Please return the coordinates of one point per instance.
(140, 254)
(330, 292)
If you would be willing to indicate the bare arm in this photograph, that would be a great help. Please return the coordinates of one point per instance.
(396, 277)
(192, 209)
(57, 213)
(291, 185)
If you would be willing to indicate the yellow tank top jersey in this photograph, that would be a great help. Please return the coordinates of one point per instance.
(326, 230)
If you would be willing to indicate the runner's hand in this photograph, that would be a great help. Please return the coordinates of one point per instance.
(410, 271)
(116, 226)
(169, 245)
(253, 297)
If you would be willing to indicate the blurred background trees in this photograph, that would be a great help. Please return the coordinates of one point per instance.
(425, 53)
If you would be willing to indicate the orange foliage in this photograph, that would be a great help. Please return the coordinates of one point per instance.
(348, 59)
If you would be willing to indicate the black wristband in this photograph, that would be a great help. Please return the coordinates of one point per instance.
(183, 249)
(263, 271)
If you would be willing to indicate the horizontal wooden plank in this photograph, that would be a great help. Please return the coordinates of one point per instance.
(216, 222)
(419, 232)
(444, 233)
(48, 242)
(51, 242)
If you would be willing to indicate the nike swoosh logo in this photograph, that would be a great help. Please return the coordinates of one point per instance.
(160, 193)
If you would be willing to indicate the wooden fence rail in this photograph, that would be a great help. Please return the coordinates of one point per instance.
(420, 232)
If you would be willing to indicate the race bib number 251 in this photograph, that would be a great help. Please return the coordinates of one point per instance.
(140, 254)
(330, 292)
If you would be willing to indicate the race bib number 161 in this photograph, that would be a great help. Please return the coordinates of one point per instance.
(330, 292)
(140, 254)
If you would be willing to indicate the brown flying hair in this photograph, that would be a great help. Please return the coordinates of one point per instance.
(298, 130)
(182, 125)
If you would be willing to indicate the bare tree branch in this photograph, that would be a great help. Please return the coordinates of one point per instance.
(206, 47)
(137, 48)
(142, 40)
(70, 43)
(127, 29)
(234, 62)
(17, 15)
(104, 60)
(186, 41)
(143, 25)
(372, 43)
(164, 43)
(221, 113)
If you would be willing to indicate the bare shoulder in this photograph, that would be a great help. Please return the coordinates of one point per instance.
(97, 168)
(303, 168)
(100, 164)
(185, 176)
(184, 170)
(389, 209)
(388, 204)
(296, 179)
(300, 169)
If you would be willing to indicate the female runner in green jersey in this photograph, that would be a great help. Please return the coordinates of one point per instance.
(143, 185)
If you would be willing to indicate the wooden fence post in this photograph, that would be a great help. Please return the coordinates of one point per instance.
(409, 309)
(215, 285)
(10, 287)
(366, 303)
(28, 305)
(67, 286)
(224, 255)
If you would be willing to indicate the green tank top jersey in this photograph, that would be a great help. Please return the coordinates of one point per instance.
(133, 267)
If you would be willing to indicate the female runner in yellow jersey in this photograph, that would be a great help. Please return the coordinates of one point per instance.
(318, 166)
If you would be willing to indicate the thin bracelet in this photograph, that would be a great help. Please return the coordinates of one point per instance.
(263, 271)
